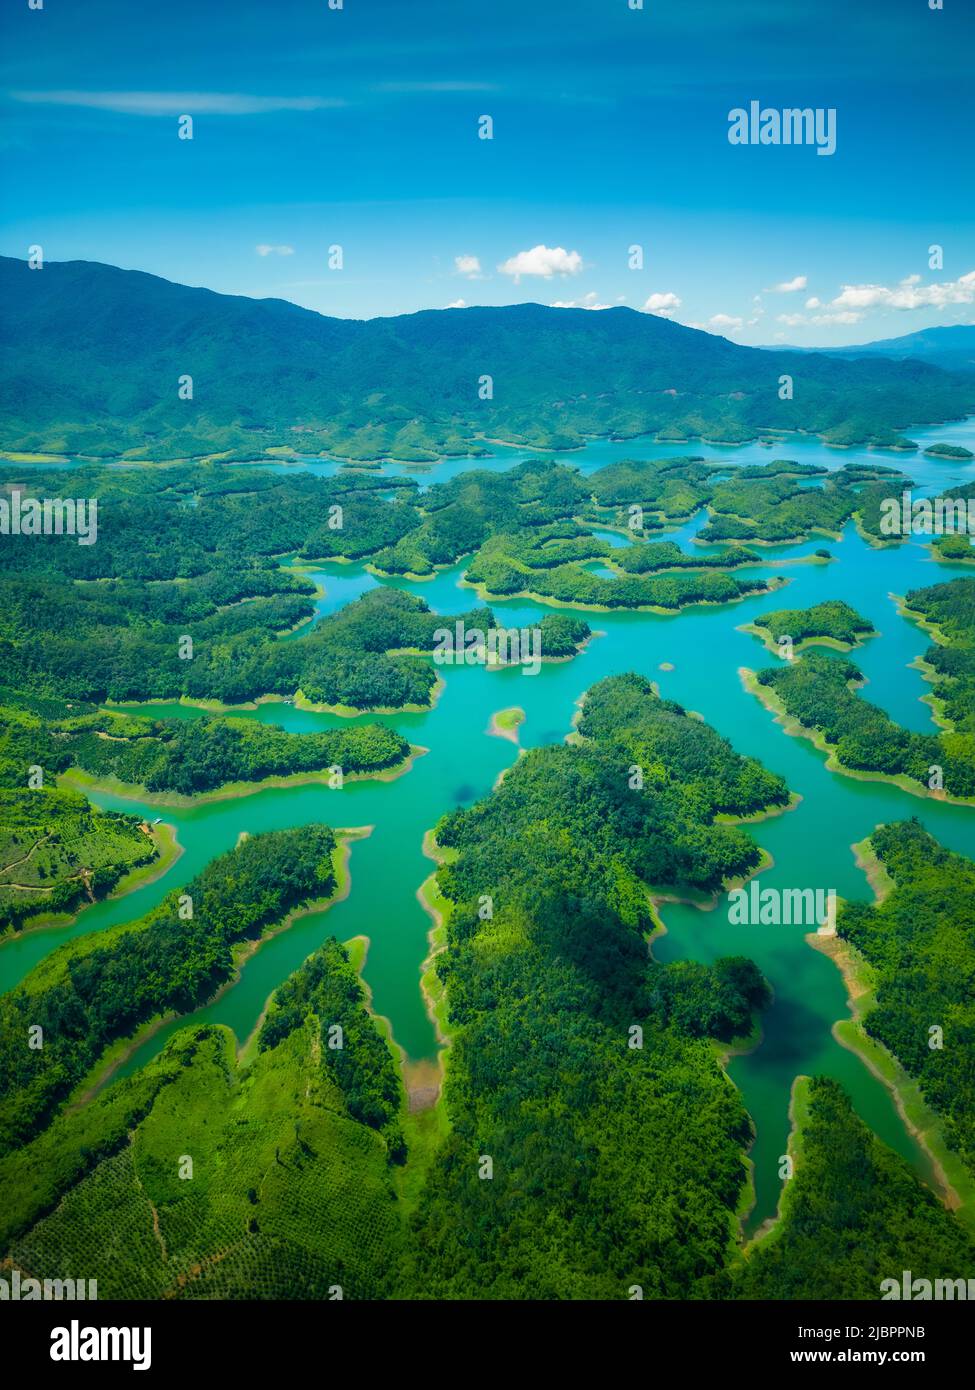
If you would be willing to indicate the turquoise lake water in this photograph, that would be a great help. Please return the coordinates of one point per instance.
(810, 846)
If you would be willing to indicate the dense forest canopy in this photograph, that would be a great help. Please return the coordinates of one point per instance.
(598, 1147)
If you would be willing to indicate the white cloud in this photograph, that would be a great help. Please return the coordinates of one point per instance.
(545, 261)
(469, 266)
(908, 294)
(830, 316)
(726, 322)
(265, 250)
(665, 306)
(588, 301)
(457, 304)
(178, 103)
(814, 303)
(788, 286)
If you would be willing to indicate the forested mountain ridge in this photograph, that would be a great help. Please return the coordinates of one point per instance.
(92, 358)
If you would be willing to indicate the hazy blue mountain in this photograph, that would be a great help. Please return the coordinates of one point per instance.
(951, 348)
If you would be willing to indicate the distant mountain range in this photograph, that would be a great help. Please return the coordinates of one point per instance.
(952, 348)
(92, 357)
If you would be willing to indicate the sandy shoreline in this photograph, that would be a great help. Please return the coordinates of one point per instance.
(505, 723)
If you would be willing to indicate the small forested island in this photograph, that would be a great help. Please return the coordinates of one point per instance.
(576, 586)
(833, 623)
(505, 723)
(818, 693)
(948, 451)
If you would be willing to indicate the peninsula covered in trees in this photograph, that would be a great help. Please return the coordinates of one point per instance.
(853, 1215)
(188, 757)
(948, 612)
(819, 692)
(919, 943)
(99, 989)
(544, 994)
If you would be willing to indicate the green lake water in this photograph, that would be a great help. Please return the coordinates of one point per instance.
(810, 846)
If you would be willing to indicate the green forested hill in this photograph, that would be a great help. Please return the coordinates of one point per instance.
(615, 1156)
(200, 1179)
(853, 1215)
(92, 357)
(920, 942)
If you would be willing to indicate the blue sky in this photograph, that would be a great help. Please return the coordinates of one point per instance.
(358, 127)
